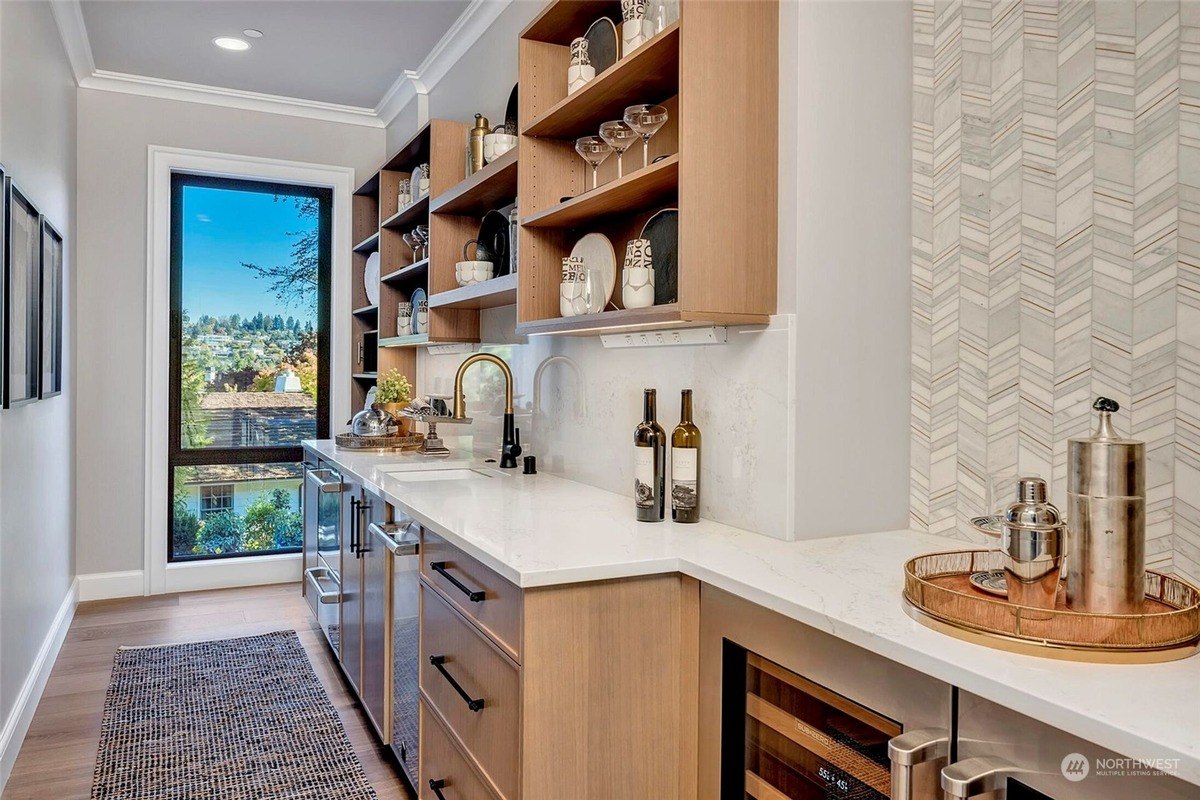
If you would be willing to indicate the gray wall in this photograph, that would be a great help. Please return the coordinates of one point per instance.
(843, 243)
(115, 131)
(852, 117)
(37, 458)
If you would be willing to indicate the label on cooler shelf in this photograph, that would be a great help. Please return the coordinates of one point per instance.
(643, 476)
(683, 477)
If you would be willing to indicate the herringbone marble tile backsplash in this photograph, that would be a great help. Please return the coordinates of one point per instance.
(1056, 250)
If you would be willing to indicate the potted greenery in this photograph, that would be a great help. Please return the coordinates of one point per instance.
(393, 393)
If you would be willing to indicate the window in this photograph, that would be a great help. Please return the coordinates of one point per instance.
(215, 499)
(249, 360)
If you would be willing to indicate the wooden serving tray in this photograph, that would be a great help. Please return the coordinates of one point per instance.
(939, 594)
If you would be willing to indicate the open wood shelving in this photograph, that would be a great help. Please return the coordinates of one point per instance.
(715, 70)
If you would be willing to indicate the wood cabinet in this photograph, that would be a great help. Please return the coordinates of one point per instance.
(595, 700)
(379, 225)
(715, 70)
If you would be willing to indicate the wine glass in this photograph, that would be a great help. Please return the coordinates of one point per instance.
(619, 137)
(645, 120)
(410, 239)
(421, 234)
(593, 150)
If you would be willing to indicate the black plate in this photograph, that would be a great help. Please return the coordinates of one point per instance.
(510, 113)
(493, 235)
(418, 296)
(663, 232)
(602, 44)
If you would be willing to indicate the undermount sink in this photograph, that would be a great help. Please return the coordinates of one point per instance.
(445, 475)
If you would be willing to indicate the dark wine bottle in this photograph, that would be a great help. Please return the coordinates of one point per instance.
(650, 464)
(685, 465)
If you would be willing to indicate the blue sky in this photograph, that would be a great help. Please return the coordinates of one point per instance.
(221, 229)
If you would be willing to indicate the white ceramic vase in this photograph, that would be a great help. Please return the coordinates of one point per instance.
(637, 275)
(570, 292)
(580, 70)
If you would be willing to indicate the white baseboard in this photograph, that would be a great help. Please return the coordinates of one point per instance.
(12, 735)
(109, 585)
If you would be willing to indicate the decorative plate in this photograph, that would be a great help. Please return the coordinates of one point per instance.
(415, 183)
(662, 230)
(510, 112)
(493, 235)
(371, 278)
(992, 525)
(603, 47)
(597, 253)
(419, 298)
(991, 581)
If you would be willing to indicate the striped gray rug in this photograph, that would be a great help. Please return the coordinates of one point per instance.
(237, 719)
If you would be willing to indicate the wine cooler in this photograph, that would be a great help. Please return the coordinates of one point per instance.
(804, 715)
(805, 742)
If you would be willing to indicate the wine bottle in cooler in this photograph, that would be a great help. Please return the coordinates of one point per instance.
(650, 463)
(685, 465)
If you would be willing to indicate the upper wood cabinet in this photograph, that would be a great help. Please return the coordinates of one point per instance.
(716, 72)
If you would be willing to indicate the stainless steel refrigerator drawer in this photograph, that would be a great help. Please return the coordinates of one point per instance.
(323, 597)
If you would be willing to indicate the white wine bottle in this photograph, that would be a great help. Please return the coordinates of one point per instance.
(685, 465)
(650, 464)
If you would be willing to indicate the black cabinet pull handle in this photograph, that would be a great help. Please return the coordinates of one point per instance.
(437, 787)
(440, 568)
(354, 526)
(473, 704)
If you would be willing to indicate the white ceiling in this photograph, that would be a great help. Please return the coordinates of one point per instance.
(348, 52)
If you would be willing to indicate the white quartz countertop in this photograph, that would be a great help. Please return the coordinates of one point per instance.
(542, 530)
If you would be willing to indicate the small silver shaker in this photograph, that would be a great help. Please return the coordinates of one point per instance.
(1106, 502)
(1032, 534)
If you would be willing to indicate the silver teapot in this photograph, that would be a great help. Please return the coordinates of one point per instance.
(373, 421)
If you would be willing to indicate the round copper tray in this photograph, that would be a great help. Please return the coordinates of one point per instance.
(938, 590)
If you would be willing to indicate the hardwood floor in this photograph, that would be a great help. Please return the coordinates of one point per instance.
(59, 752)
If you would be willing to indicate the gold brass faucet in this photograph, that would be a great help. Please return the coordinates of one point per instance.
(511, 448)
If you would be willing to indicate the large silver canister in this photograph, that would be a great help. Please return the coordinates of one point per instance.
(1106, 520)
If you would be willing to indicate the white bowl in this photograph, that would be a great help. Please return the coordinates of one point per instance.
(469, 272)
(496, 145)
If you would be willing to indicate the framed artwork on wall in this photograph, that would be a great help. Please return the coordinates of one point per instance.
(22, 284)
(51, 311)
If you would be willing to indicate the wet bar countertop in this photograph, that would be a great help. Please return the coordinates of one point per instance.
(542, 530)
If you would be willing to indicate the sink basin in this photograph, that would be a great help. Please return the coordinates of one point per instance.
(446, 475)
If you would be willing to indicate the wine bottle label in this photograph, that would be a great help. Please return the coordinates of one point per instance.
(643, 476)
(683, 477)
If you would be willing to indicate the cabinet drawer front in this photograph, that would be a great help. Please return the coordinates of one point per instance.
(491, 602)
(444, 766)
(474, 687)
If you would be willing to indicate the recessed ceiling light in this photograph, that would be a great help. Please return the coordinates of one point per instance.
(252, 33)
(231, 43)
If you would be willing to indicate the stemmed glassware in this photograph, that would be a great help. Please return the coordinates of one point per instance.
(593, 150)
(619, 137)
(421, 234)
(410, 239)
(645, 120)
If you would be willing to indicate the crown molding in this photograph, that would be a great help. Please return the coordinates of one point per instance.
(103, 80)
(68, 15)
(409, 86)
(454, 44)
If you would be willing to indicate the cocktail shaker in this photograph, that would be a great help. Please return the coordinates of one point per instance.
(1031, 539)
(1106, 509)
(475, 144)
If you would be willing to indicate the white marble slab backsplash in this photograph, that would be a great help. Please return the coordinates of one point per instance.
(578, 404)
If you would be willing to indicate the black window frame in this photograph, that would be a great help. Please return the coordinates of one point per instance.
(177, 454)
